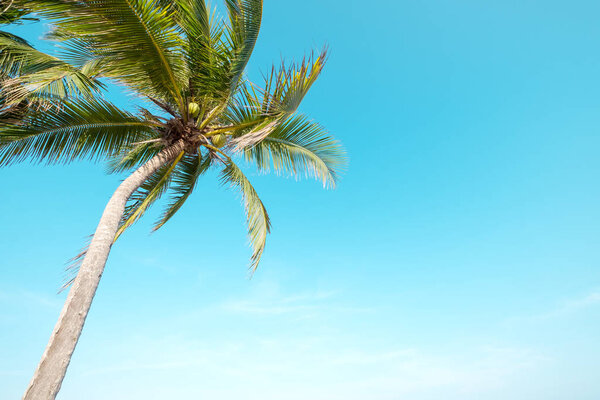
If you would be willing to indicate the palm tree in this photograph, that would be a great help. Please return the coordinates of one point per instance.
(189, 64)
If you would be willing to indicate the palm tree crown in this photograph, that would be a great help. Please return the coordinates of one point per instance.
(189, 64)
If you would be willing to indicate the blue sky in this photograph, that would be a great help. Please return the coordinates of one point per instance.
(457, 259)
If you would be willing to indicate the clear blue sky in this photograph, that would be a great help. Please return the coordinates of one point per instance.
(457, 260)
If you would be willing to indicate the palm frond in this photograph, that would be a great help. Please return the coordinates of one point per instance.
(138, 42)
(247, 121)
(245, 18)
(258, 221)
(256, 135)
(50, 85)
(92, 129)
(150, 191)
(183, 183)
(286, 87)
(283, 90)
(245, 108)
(208, 58)
(14, 12)
(133, 156)
(300, 147)
(13, 114)
(15, 52)
(33, 75)
(193, 17)
(260, 111)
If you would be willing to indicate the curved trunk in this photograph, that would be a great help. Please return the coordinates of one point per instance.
(51, 370)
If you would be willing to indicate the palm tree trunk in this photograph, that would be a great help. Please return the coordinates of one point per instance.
(52, 368)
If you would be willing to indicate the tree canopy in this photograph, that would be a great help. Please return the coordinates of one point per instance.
(187, 62)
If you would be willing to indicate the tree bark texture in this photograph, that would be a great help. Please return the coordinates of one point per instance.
(52, 368)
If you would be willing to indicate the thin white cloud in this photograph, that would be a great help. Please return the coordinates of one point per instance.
(571, 307)
(302, 305)
(315, 368)
(29, 298)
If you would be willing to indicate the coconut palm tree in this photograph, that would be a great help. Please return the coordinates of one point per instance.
(189, 65)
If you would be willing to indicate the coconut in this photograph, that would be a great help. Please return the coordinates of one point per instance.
(219, 140)
(194, 109)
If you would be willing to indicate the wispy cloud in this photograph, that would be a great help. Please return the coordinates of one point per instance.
(270, 354)
(302, 305)
(578, 304)
(569, 307)
(275, 304)
(320, 368)
(30, 298)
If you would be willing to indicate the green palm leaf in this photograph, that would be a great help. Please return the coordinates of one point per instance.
(13, 51)
(150, 191)
(258, 221)
(208, 57)
(14, 12)
(286, 87)
(137, 41)
(183, 184)
(33, 75)
(90, 129)
(50, 85)
(16, 53)
(254, 113)
(300, 147)
(134, 156)
(245, 17)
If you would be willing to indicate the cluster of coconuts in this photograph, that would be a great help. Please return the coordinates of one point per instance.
(217, 140)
